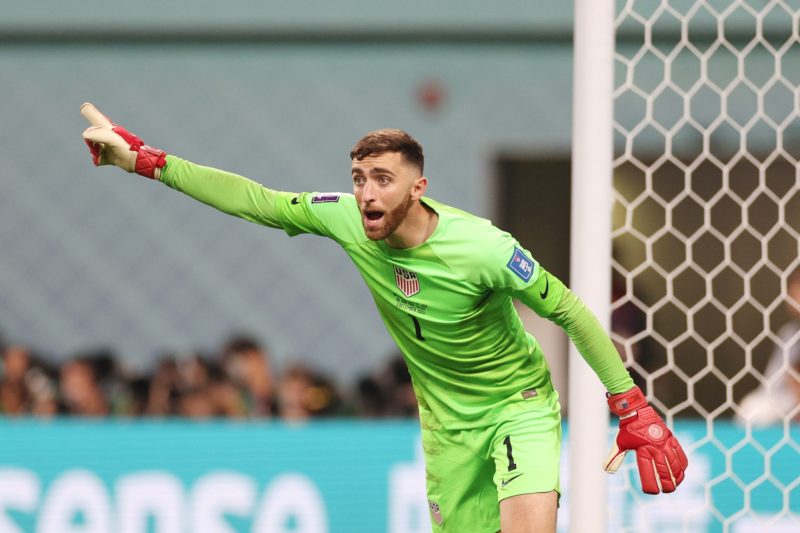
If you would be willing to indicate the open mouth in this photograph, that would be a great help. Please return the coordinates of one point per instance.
(373, 215)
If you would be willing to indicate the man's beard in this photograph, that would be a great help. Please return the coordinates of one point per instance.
(391, 220)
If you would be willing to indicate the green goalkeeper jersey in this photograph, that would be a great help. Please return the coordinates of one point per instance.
(447, 303)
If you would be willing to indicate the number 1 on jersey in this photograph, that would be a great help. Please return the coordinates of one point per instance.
(417, 328)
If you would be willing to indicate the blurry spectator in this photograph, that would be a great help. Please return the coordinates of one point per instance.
(323, 399)
(238, 384)
(42, 385)
(138, 391)
(205, 391)
(80, 392)
(196, 403)
(292, 392)
(227, 398)
(112, 381)
(402, 400)
(302, 394)
(370, 397)
(192, 372)
(13, 400)
(27, 385)
(16, 361)
(247, 364)
(778, 397)
(163, 393)
(13, 391)
(387, 392)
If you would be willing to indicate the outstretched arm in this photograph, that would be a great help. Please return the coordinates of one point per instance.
(111, 144)
(228, 192)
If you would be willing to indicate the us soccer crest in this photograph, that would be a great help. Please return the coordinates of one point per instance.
(407, 281)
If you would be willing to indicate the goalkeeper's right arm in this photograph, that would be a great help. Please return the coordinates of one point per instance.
(111, 144)
(228, 192)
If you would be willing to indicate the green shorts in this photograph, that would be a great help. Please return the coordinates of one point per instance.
(469, 471)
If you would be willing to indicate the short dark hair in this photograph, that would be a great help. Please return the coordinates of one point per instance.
(241, 342)
(390, 140)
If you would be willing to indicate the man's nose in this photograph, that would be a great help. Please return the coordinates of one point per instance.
(368, 192)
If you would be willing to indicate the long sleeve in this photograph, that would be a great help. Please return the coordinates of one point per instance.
(228, 192)
(333, 215)
(592, 342)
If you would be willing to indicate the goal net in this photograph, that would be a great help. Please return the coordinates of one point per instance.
(706, 225)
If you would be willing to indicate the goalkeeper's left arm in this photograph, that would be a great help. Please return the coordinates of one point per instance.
(659, 456)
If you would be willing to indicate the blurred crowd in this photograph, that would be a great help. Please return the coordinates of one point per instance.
(236, 381)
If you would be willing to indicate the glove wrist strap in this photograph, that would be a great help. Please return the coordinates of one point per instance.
(626, 403)
(150, 161)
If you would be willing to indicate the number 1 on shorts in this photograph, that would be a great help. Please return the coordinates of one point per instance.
(511, 464)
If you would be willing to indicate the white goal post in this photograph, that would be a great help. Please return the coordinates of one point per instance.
(590, 246)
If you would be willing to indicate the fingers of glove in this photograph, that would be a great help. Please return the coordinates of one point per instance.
(94, 116)
(681, 455)
(664, 467)
(666, 475)
(648, 473)
(676, 460)
(111, 148)
(134, 142)
(614, 459)
(94, 149)
(99, 134)
(99, 120)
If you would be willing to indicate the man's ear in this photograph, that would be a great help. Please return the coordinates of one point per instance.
(419, 187)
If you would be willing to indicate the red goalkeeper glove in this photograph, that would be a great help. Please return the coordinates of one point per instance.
(659, 456)
(111, 144)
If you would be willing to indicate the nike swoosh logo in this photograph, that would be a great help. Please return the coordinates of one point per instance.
(546, 287)
(507, 481)
(295, 200)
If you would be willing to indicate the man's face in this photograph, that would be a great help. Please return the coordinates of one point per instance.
(385, 188)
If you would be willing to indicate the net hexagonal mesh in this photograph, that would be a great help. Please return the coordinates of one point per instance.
(706, 227)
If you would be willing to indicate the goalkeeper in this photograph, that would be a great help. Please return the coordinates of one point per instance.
(443, 281)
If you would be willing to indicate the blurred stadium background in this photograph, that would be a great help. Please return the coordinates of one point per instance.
(120, 298)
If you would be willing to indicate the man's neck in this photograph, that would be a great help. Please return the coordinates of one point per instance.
(419, 224)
